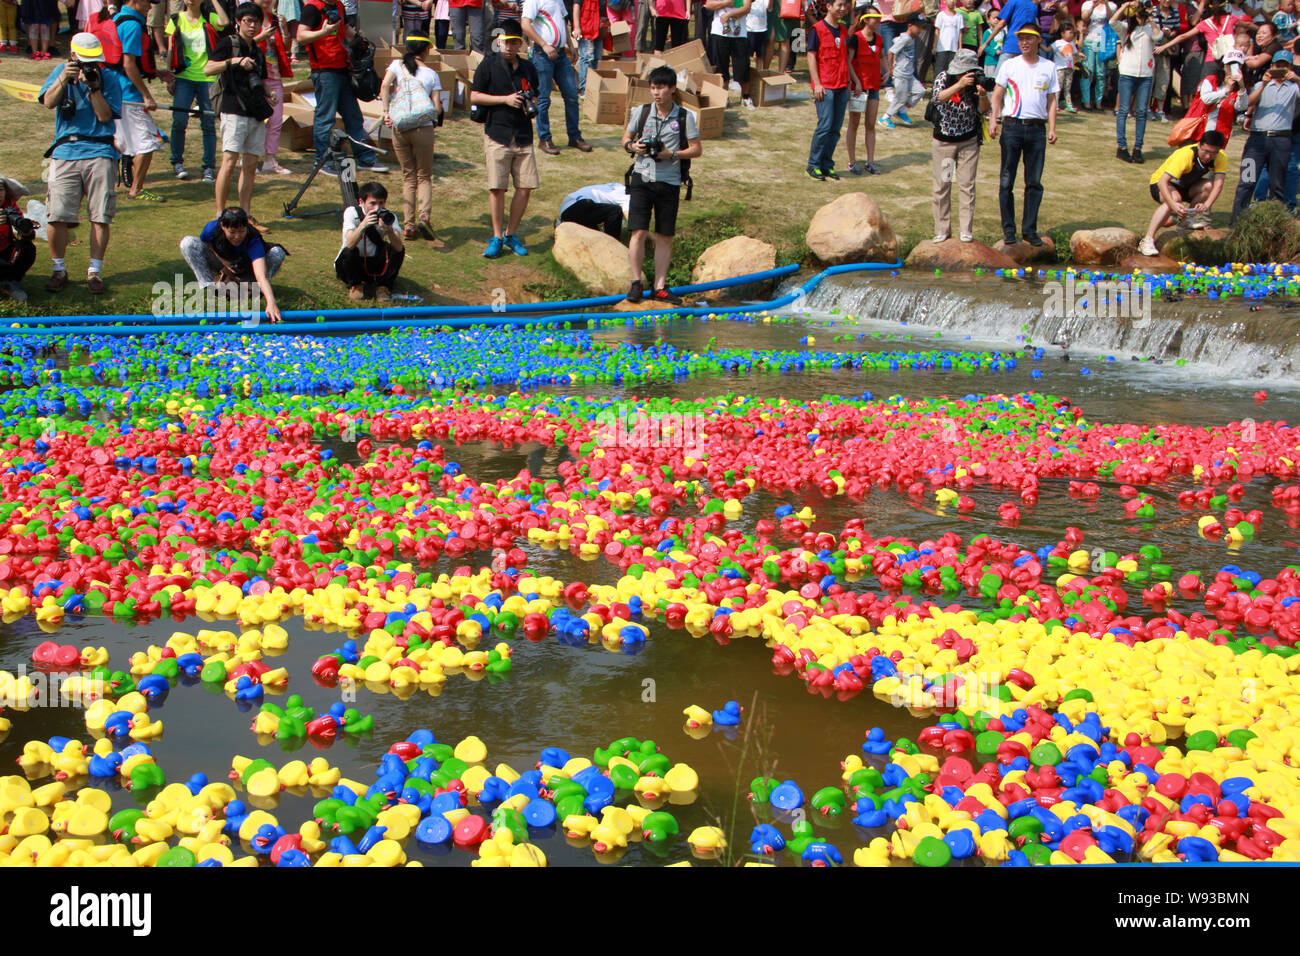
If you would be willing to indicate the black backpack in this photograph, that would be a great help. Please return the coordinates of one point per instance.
(365, 81)
(644, 115)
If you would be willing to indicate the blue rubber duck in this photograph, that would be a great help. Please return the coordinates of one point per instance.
(766, 840)
(729, 716)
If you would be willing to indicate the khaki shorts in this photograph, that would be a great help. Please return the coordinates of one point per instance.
(137, 133)
(156, 18)
(71, 180)
(506, 163)
(242, 134)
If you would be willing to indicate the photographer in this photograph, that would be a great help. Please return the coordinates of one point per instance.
(83, 160)
(230, 250)
(17, 240)
(323, 31)
(660, 136)
(505, 90)
(372, 248)
(1187, 185)
(1274, 101)
(960, 97)
(244, 107)
(1137, 36)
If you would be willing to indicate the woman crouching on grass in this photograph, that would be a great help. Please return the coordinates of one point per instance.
(865, 47)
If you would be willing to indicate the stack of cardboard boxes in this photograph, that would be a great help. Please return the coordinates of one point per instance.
(619, 87)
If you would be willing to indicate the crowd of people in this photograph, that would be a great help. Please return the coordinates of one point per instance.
(991, 70)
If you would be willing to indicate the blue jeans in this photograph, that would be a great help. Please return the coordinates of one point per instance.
(1030, 142)
(1129, 86)
(1292, 178)
(589, 52)
(1093, 82)
(888, 31)
(830, 117)
(557, 72)
(334, 95)
(190, 93)
(1262, 152)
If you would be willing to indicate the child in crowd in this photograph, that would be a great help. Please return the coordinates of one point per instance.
(1067, 56)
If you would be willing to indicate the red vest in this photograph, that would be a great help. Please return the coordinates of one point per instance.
(589, 19)
(866, 61)
(832, 56)
(328, 53)
(280, 53)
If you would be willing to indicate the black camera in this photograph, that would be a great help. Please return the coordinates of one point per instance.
(386, 217)
(983, 81)
(530, 102)
(332, 15)
(91, 75)
(19, 225)
(653, 147)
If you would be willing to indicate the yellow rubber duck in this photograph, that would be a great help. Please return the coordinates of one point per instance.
(471, 750)
(322, 774)
(143, 728)
(682, 778)
(15, 792)
(96, 714)
(294, 774)
(311, 837)
(82, 821)
(263, 783)
(274, 638)
(652, 789)
(707, 840)
(27, 821)
(876, 853)
(36, 755)
(579, 826)
(92, 657)
(265, 723)
(49, 795)
(697, 716)
(606, 838)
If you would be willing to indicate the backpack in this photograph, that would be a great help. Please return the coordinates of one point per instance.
(411, 105)
(177, 60)
(361, 57)
(105, 28)
(644, 115)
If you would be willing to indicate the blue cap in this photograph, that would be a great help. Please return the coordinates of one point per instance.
(1283, 56)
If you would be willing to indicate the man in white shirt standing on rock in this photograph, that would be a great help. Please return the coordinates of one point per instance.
(1024, 105)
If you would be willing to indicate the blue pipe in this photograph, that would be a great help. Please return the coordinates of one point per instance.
(384, 320)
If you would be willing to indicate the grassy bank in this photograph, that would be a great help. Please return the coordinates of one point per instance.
(751, 181)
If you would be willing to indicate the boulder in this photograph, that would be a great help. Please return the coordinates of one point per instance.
(1203, 244)
(737, 256)
(1024, 254)
(957, 256)
(1102, 247)
(852, 229)
(597, 260)
(1149, 264)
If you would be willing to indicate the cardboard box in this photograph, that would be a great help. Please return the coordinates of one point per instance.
(689, 57)
(448, 80)
(623, 66)
(620, 35)
(695, 80)
(708, 106)
(638, 94)
(770, 87)
(297, 130)
(605, 101)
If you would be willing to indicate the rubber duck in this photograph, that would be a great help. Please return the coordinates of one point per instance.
(697, 716)
(579, 826)
(152, 831)
(294, 774)
(729, 716)
(706, 841)
(876, 853)
(70, 763)
(766, 840)
(876, 742)
(786, 796)
(821, 854)
(829, 802)
(760, 789)
(36, 755)
(322, 774)
(48, 795)
(652, 789)
(143, 728)
(658, 827)
(682, 778)
(606, 838)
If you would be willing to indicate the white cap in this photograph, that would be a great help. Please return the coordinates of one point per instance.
(87, 48)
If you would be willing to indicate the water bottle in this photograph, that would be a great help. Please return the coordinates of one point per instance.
(407, 297)
(36, 213)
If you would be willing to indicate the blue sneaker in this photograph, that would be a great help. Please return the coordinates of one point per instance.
(493, 248)
(904, 118)
(887, 123)
(515, 246)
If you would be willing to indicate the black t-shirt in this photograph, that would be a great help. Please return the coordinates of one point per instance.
(237, 93)
(311, 17)
(210, 6)
(505, 124)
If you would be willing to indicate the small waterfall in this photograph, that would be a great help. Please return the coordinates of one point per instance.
(1225, 334)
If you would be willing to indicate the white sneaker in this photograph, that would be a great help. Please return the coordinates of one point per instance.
(748, 103)
(942, 237)
(1147, 247)
(967, 237)
(209, 175)
(179, 169)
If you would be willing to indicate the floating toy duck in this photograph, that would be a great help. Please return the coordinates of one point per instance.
(766, 840)
(697, 716)
(658, 827)
(707, 841)
(729, 716)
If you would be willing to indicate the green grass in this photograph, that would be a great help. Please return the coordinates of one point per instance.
(751, 180)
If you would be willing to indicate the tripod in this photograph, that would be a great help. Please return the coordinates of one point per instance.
(347, 173)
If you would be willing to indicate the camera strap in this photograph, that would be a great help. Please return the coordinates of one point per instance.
(77, 138)
(643, 117)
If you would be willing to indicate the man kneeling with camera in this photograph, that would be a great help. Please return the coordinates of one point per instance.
(229, 250)
(660, 135)
(372, 246)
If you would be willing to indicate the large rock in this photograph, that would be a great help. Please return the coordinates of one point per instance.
(597, 260)
(1102, 247)
(737, 256)
(1204, 245)
(957, 256)
(1025, 254)
(852, 229)
(1149, 264)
